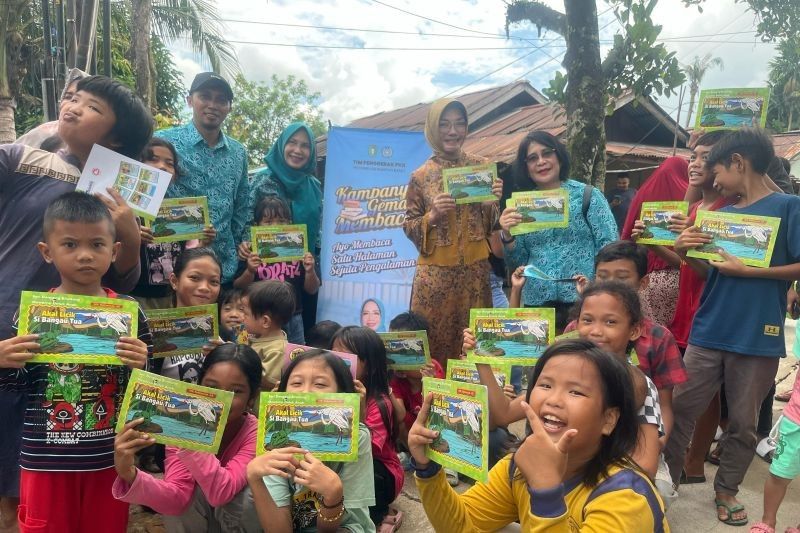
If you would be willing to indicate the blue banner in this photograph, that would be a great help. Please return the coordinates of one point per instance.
(367, 261)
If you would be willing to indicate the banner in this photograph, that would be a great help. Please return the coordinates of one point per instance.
(367, 262)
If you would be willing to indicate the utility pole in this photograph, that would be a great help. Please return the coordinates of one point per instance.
(48, 78)
(107, 37)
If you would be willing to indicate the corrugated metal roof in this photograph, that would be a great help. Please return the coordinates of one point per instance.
(787, 145)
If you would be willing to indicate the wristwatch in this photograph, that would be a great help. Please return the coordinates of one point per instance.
(503, 239)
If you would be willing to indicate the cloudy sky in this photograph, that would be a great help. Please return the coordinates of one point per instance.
(456, 46)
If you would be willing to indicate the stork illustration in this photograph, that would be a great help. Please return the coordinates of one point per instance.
(757, 233)
(206, 412)
(336, 416)
(114, 321)
(537, 328)
(555, 203)
(197, 323)
(469, 415)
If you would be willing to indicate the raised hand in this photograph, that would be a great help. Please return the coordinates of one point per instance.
(509, 218)
(17, 351)
(317, 477)
(419, 436)
(209, 235)
(542, 461)
(678, 222)
(443, 203)
(280, 462)
(469, 341)
(126, 444)
(691, 238)
(132, 352)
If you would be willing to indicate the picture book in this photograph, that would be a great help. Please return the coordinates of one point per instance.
(240, 335)
(77, 329)
(142, 186)
(182, 330)
(511, 336)
(275, 244)
(656, 216)
(467, 372)
(325, 424)
(751, 238)
(469, 185)
(293, 350)
(540, 210)
(532, 271)
(180, 219)
(459, 412)
(176, 413)
(732, 108)
(406, 350)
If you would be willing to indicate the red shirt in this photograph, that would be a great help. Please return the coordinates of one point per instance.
(401, 388)
(383, 448)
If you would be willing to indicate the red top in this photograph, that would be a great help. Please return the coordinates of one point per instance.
(401, 388)
(383, 448)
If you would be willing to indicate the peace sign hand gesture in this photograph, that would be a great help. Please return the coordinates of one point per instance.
(542, 461)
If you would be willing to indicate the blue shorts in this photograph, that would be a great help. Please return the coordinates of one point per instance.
(786, 461)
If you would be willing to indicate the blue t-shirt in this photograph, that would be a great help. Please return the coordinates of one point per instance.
(746, 315)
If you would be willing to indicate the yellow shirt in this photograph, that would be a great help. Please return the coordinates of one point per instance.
(270, 350)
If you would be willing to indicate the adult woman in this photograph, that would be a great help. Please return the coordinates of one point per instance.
(452, 269)
(542, 163)
(372, 315)
(668, 183)
(38, 135)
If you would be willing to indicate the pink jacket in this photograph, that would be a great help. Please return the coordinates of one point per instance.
(219, 479)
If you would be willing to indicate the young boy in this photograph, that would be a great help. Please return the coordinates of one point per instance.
(268, 305)
(102, 111)
(321, 334)
(721, 347)
(67, 452)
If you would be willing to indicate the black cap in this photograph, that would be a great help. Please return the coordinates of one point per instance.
(206, 79)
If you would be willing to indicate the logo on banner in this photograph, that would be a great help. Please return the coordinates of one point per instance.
(387, 152)
(372, 150)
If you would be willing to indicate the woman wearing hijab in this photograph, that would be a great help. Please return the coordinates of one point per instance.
(667, 184)
(452, 273)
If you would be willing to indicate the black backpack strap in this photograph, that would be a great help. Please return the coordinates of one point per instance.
(587, 199)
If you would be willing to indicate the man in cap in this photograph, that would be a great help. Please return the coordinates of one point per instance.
(214, 165)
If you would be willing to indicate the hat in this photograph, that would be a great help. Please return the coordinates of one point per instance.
(205, 79)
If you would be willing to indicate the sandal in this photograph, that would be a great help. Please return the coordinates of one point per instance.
(690, 480)
(731, 510)
(784, 397)
(792, 529)
(391, 522)
(761, 527)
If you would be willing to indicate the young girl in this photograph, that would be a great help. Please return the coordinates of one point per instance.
(609, 315)
(195, 281)
(231, 315)
(201, 491)
(308, 495)
(572, 472)
(273, 210)
(374, 374)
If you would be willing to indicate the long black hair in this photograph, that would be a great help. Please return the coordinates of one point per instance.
(520, 177)
(244, 356)
(190, 254)
(344, 380)
(618, 393)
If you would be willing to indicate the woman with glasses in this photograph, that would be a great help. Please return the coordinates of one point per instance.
(453, 240)
(542, 163)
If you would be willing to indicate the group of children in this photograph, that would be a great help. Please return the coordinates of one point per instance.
(602, 410)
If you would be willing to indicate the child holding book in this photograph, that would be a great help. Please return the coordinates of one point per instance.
(380, 413)
(68, 440)
(321, 334)
(573, 471)
(201, 491)
(301, 275)
(720, 348)
(308, 495)
(268, 306)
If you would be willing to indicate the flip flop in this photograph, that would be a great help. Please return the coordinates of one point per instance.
(690, 480)
(391, 522)
(792, 530)
(784, 397)
(761, 527)
(731, 510)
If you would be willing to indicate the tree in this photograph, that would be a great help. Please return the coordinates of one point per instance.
(13, 17)
(635, 63)
(261, 111)
(784, 83)
(695, 72)
(777, 19)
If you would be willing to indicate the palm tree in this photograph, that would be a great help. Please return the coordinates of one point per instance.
(784, 81)
(695, 72)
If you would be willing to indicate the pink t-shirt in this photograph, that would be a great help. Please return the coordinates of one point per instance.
(792, 409)
(383, 448)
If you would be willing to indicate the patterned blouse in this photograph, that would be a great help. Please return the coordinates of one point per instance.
(564, 252)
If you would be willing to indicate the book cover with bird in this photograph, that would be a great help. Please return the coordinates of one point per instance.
(182, 330)
(751, 238)
(540, 210)
(180, 219)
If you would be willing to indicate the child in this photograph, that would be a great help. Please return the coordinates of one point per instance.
(195, 281)
(744, 355)
(785, 464)
(309, 495)
(158, 259)
(373, 373)
(231, 314)
(68, 440)
(302, 276)
(268, 306)
(201, 491)
(572, 472)
(321, 334)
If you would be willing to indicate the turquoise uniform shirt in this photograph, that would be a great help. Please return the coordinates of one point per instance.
(220, 173)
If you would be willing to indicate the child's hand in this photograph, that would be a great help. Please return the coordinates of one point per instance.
(638, 228)
(253, 262)
(730, 265)
(542, 461)
(509, 218)
(509, 391)
(362, 393)
(678, 222)
(497, 191)
(17, 351)
(209, 234)
(132, 352)
(581, 282)
(308, 262)
(243, 251)
(791, 299)
(212, 343)
(419, 436)
(124, 219)
(281, 462)
(126, 444)
(317, 477)
(428, 371)
(146, 234)
(691, 238)
(518, 279)
(469, 341)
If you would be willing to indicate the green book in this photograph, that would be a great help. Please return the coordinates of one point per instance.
(77, 329)
(406, 350)
(459, 412)
(656, 216)
(275, 244)
(751, 238)
(469, 185)
(183, 330)
(540, 210)
(180, 219)
(325, 424)
(176, 413)
(732, 108)
(511, 336)
(467, 372)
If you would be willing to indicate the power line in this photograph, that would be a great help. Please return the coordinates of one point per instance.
(434, 20)
(394, 48)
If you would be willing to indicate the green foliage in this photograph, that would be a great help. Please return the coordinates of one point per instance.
(261, 111)
(784, 82)
(169, 85)
(777, 19)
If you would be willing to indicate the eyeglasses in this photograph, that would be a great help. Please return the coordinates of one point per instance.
(547, 153)
(458, 126)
